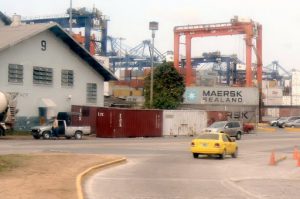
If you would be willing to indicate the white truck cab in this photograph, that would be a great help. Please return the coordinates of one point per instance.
(64, 130)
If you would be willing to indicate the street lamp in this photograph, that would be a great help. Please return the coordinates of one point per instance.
(153, 26)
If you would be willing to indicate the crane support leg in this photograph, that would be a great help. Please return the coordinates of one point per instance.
(87, 33)
(228, 73)
(176, 50)
(259, 56)
(248, 61)
(188, 48)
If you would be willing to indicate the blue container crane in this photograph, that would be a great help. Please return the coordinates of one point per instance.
(81, 18)
(216, 57)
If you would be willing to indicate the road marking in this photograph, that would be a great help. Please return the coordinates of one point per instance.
(295, 130)
(263, 124)
(230, 184)
(266, 129)
(84, 173)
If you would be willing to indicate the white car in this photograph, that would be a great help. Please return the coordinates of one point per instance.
(293, 124)
(275, 122)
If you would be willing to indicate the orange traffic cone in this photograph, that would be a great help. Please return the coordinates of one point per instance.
(272, 159)
(296, 153)
(298, 162)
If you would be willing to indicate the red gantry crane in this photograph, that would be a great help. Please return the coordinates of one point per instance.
(250, 29)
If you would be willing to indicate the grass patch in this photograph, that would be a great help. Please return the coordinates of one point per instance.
(18, 132)
(10, 162)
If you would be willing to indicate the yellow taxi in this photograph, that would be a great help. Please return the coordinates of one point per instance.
(214, 144)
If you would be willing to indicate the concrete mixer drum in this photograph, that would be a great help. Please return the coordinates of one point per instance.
(3, 102)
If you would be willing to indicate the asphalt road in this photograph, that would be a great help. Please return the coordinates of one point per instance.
(164, 167)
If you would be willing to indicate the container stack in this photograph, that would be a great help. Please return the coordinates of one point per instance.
(286, 100)
(206, 78)
(295, 88)
(130, 85)
(273, 96)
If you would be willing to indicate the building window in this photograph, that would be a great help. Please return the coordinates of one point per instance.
(15, 73)
(67, 78)
(42, 75)
(91, 93)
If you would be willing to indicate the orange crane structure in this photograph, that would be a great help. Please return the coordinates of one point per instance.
(250, 29)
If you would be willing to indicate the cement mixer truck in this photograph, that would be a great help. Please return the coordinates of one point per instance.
(6, 107)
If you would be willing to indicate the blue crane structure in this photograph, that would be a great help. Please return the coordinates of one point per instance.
(81, 18)
(122, 56)
(217, 59)
(272, 71)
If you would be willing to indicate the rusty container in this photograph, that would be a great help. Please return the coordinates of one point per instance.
(287, 112)
(214, 116)
(128, 73)
(137, 83)
(86, 116)
(120, 123)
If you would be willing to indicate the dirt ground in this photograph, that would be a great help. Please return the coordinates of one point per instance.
(47, 175)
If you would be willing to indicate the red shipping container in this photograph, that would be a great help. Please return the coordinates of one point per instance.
(87, 116)
(147, 71)
(127, 73)
(287, 112)
(137, 83)
(214, 116)
(117, 123)
(122, 83)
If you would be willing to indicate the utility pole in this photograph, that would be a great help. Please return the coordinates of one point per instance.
(70, 14)
(153, 26)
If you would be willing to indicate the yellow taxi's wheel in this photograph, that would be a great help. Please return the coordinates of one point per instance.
(223, 155)
(195, 155)
(235, 154)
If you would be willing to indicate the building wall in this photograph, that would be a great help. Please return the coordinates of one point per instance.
(57, 56)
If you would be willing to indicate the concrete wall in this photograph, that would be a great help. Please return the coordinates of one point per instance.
(57, 56)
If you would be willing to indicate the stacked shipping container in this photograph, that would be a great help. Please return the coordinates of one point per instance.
(118, 122)
(183, 122)
(87, 116)
(273, 96)
(295, 88)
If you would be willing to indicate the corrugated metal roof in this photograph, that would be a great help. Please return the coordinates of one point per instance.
(12, 35)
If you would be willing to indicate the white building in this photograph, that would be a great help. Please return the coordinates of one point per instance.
(48, 71)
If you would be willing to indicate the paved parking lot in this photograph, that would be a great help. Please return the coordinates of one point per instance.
(164, 167)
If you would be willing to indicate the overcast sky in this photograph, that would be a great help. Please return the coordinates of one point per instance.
(130, 18)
